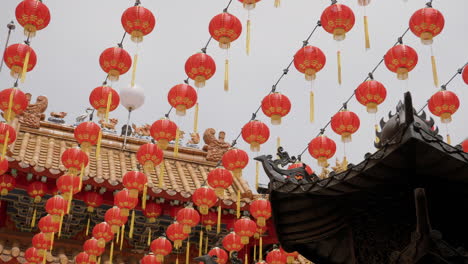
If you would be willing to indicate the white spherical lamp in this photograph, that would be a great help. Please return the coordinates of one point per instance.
(132, 97)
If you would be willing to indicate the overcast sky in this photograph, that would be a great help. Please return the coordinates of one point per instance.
(68, 69)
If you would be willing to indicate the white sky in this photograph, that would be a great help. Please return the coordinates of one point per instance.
(68, 69)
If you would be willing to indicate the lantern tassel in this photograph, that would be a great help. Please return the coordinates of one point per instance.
(87, 225)
(312, 107)
(98, 146)
(25, 66)
(255, 252)
(257, 174)
(195, 119)
(33, 219)
(218, 224)
(109, 101)
(260, 249)
(247, 44)
(366, 32)
(449, 140)
(52, 241)
(135, 61)
(144, 196)
(122, 233)
(5, 144)
(238, 204)
(177, 259)
(60, 225)
(338, 57)
(200, 243)
(187, 252)
(81, 177)
(246, 257)
(132, 223)
(44, 257)
(149, 237)
(176, 146)
(10, 105)
(377, 140)
(434, 71)
(70, 197)
(226, 75)
(206, 244)
(277, 3)
(111, 254)
(161, 174)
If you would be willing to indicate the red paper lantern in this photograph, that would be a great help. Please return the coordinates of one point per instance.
(74, 159)
(135, 182)
(337, 19)
(68, 184)
(290, 257)
(260, 209)
(209, 220)
(444, 104)
(149, 259)
(152, 211)
(92, 200)
(175, 232)
(182, 97)
(276, 257)
(426, 23)
(7, 135)
(18, 104)
(232, 242)
(92, 248)
(7, 184)
(87, 134)
(161, 247)
(225, 28)
(125, 202)
(115, 61)
(3, 165)
(371, 94)
(235, 160)
(163, 131)
(204, 198)
(103, 233)
(32, 255)
(99, 100)
(149, 155)
(309, 60)
(48, 226)
(345, 123)
(276, 106)
(300, 165)
(255, 133)
(401, 59)
(32, 15)
(14, 58)
(245, 228)
(138, 22)
(188, 217)
(42, 244)
(322, 148)
(465, 74)
(220, 179)
(200, 67)
(56, 206)
(220, 254)
(82, 258)
(465, 145)
(115, 219)
(37, 190)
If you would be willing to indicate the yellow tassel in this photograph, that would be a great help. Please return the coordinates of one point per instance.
(52, 241)
(195, 119)
(377, 140)
(246, 257)
(176, 146)
(117, 237)
(257, 174)
(135, 60)
(277, 3)
(260, 249)
(312, 107)
(132, 223)
(10, 104)
(87, 225)
(187, 253)
(33, 219)
(338, 57)
(60, 225)
(149, 237)
(44, 257)
(345, 163)
(5, 145)
(238, 204)
(25, 66)
(206, 244)
(177, 259)
(434, 71)
(111, 254)
(109, 102)
(98, 260)
(255, 252)
(247, 44)
(70, 197)
(122, 233)
(161, 174)
(200, 243)
(226, 75)
(98, 146)
(143, 197)
(449, 141)
(366, 32)
(81, 177)
(218, 225)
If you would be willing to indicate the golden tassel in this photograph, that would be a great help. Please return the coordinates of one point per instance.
(377, 140)
(255, 252)
(149, 237)
(117, 237)
(135, 60)
(257, 174)
(98, 260)
(98, 146)
(195, 119)
(246, 261)
(206, 244)
(218, 225)
(338, 57)
(247, 44)
(187, 252)
(60, 225)
(277, 3)
(111, 254)
(87, 226)
(260, 249)
(52, 241)
(5, 145)
(177, 259)
(109, 101)
(226, 75)
(449, 140)
(25, 66)
(366, 32)
(10, 104)
(176, 146)
(144, 196)
(434, 71)
(161, 174)
(33, 219)
(81, 177)
(122, 233)
(200, 243)
(44, 257)
(238, 204)
(132, 223)
(70, 197)
(312, 107)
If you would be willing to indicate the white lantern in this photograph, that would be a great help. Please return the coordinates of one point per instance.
(132, 98)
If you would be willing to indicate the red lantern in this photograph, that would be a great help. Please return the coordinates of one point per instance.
(16, 55)
(260, 209)
(276, 257)
(115, 61)
(255, 133)
(152, 211)
(135, 182)
(465, 145)
(444, 104)
(32, 255)
(220, 179)
(245, 228)
(189, 218)
(225, 28)
(42, 244)
(75, 160)
(115, 219)
(200, 67)
(48, 226)
(175, 232)
(322, 148)
(163, 131)
(260, 231)
(161, 247)
(3, 165)
(209, 220)
(220, 254)
(276, 106)
(401, 59)
(309, 60)
(37, 190)
(337, 19)
(125, 202)
(12, 102)
(91, 247)
(57, 207)
(182, 97)
(87, 134)
(68, 184)
(7, 137)
(82, 258)
(92, 200)
(103, 233)
(149, 155)
(149, 259)
(100, 98)
(345, 123)
(138, 22)
(290, 257)
(370, 94)
(232, 242)
(7, 184)
(235, 160)
(300, 165)
(204, 198)
(32, 15)
(465, 74)
(427, 23)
